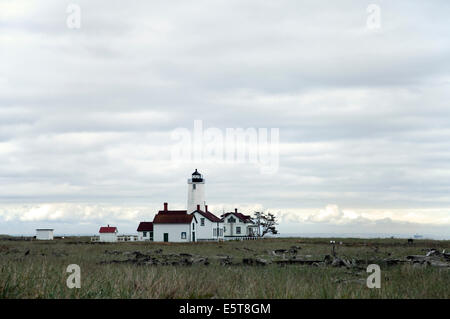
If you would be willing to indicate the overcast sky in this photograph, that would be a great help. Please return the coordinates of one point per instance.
(87, 115)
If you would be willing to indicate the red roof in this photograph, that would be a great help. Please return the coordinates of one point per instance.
(172, 217)
(208, 215)
(242, 217)
(145, 226)
(172, 212)
(104, 230)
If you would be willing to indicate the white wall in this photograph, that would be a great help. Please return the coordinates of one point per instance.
(196, 196)
(141, 236)
(230, 228)
(206, 232)
(174, 231)
(108, 237)
(44, 234)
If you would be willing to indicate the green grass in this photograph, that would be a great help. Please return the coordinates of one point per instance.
(42, 272)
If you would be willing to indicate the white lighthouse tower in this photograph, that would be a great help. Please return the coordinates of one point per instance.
(196, 192)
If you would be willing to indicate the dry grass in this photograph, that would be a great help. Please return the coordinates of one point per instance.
(42, 272)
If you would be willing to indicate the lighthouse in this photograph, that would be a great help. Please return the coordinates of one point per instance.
(196, 192)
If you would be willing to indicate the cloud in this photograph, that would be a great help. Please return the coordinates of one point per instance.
(332, 214)
(71, 218)
(334, 221)
(86, 116)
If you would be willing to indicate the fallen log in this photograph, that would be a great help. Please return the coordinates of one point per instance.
(416, 258)
(296, 261)
(254, 261)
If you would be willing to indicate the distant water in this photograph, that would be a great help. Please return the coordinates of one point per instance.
(307, 235)
(356, 235)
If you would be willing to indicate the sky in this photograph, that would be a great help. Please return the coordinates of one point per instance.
(89, 112)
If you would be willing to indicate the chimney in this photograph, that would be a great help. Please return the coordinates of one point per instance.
(206, 208)
(165, 207)
(198, 207)
(235, 210)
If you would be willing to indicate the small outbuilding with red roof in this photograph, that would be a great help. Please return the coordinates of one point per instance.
(145, 231)
(108, 234)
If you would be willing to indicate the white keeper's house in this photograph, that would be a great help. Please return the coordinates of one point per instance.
(196, 223)
(174, 226)
(237, 225)
(209, 225)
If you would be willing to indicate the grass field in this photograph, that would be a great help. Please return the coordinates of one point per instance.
(247, 269)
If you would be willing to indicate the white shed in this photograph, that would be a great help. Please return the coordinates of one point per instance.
(145, 231)
(44, 234)
(108, 234)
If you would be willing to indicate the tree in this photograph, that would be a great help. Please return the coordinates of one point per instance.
(266, 223)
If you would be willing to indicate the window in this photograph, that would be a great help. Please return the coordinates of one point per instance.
(224, 229)
(193, 226)
(231, 220)
(193, 186)
(202, 222)
(144, 234)
(214, 232)
(238, 230)
(221, 232)
(183, 235)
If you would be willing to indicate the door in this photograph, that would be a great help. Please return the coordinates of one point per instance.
(166, 237)
(193, 236)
